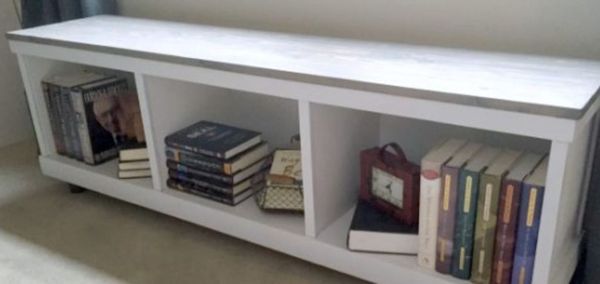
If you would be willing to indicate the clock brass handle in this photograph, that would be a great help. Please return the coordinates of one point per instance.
(399, 153)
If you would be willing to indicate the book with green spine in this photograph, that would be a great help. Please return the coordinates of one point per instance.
(468, 183)
(487, 212)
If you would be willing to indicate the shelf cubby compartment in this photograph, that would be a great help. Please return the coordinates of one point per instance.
(173, 105)
(339, 134)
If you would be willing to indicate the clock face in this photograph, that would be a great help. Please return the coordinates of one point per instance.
(387, 187)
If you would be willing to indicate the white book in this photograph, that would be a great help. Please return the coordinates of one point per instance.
(429, 198)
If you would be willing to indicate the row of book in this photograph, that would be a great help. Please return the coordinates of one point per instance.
(91, 114)
(217, 161)
(480, 210)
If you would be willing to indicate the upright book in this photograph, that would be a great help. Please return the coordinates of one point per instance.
(468, 184)
(213, 139)
(374, 231)
(529, 224)
(508, 210)
(487, 212)
(429, 198)
(447, 205)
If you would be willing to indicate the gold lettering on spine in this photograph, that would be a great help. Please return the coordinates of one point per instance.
(461, 261)
(508, 200)
(531, 209)
(487, 202)
(446, 198)
(468, 189)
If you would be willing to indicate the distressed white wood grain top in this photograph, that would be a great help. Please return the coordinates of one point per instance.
(556, 87)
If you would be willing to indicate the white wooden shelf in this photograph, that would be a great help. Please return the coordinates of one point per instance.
(342, 96)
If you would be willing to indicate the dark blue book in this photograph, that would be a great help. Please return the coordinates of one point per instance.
(529, 224)
(213, 139)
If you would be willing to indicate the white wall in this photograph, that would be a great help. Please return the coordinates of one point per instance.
(552, 27)
(15, 124)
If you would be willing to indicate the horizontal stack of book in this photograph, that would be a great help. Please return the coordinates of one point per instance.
(216, 161)
(134, 162)
(91, 114)
(480, 211)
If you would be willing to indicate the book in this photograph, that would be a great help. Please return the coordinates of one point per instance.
(466, 208)
(508, 210)
(487, 212)
(53, 116)
(134, 165)
(532, 197)
(208, 193)
(286, 167)
(228, 189)
(227, 179)
(374, 231)
(447, 205)
(430, 184)
(134, 173)
(98, 109)
(133, 152)
(213, 139)
(216, 165)
(59, 86)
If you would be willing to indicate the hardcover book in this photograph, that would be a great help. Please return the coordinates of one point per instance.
(101, 109)
(447, 205)
(229, 189)
(466, 205)
(141, 173)
(216, 165)
(213, 139)
(228, 179)
(530, 211)
(487, 212)
(134, 165)
(508, 209)
(133, 152)
(374, 231)
(209, 193)
(50, 98)
(429, 198)
(286, 168)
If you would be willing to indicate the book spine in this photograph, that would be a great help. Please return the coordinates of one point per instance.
(446, 219)
(527, 233)
(192, 160)
(465, 224)
(62, 118)
(174, 184)
(485, 228)
(191, 179)
(188, 170)
(72, 130)
(428, 214)
(51, 105)
(508, 210)
(82, 127)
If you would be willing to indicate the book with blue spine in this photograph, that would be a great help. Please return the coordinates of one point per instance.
(529, 224)
(213, 139)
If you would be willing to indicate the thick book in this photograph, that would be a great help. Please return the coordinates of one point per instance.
(216, 165)
(447, 205)
(133, 152)
(213, 139)
(126, 174)
(374, 231)
(487, 212)
(60, 86)
(134, 165)
(228, 189)
(466, 206)
(222, 178)
(508, 210)
(98, 111)
(50, 98)
(430, 184)
(209, 193)
(530, 211)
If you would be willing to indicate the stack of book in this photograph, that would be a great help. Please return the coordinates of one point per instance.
(480, 211)
(216, 161)
(91, 114)
(133, 161)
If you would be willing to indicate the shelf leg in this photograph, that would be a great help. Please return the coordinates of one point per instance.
(76, 189)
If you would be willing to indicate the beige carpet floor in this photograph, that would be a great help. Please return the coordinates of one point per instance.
(48, 235)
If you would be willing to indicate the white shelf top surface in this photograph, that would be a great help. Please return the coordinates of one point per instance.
(556, 87)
